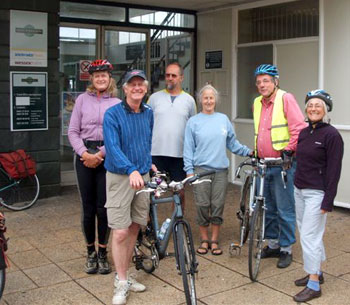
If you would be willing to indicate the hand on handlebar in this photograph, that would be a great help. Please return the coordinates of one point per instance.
(136, 180)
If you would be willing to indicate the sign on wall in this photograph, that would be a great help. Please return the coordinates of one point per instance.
(29, 101)
(28, 39)
(213, 59)
(84, 74)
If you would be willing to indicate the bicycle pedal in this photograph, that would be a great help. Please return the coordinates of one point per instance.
(170, 254)
(235, 249)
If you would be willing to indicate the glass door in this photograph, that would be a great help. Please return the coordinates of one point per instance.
(78, 47)
(126, 50)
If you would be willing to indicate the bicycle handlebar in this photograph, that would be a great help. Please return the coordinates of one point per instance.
(159, 184)
(260, 163)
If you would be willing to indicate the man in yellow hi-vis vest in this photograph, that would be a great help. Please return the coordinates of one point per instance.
(277, 123)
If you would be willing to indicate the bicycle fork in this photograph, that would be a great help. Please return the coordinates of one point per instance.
(189, 240)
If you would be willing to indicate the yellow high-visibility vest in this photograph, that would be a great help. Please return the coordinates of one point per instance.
(279, 124)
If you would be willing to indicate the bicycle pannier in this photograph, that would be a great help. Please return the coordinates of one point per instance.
(18, 164)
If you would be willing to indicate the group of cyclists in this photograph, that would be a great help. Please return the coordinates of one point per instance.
(118, 142)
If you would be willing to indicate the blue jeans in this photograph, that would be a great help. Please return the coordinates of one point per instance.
(280, 214)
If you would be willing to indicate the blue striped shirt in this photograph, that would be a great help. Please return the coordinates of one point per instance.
(127, 139)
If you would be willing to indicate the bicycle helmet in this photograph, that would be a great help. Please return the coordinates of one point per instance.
(321, 94)
(266, 69)
(100, 65)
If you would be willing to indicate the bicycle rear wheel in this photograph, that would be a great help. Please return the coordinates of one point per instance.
(18, 194)
(244, 209)
(187, 262)
(256, 240)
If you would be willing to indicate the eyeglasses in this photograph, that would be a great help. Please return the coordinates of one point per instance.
(264, 81)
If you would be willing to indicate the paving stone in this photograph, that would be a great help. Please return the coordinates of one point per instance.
(18, 281)
(47, 275)
(29, 259)
(61, 294)
(60, 253)
(338, 265)
(18, 245)
(250, 294)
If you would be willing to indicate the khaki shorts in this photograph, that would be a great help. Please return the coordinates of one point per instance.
(123, 205)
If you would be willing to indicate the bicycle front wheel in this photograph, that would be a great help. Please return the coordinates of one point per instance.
(244, 209)
(256, 240)
(2, 281)
(19, 194)
(187, 262)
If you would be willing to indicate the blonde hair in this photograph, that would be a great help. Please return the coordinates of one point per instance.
(326, 118)
(111, 89)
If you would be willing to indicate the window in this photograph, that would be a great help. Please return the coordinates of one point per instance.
(90, 11)
(145, 16)
(248, 59)
(282, 21)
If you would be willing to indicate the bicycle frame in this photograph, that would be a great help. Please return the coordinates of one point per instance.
(177, 214)
(3, 172)
(256, 194)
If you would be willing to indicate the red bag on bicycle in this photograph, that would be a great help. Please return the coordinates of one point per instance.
(18, 164)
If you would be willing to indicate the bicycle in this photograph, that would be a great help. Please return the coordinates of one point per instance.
(252, 210)
(150, 248)
(18, 194)
(3, 258)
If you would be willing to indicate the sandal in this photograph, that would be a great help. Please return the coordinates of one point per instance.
(203, 250)
(217, 250)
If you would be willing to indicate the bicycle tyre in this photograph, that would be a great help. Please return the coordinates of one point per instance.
(186, 254)
(244, 208)
(20, 194)
(255, 241)
(2, 281)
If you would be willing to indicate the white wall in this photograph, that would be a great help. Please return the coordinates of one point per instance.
(336, 66)
(297, 63)
(215, 33)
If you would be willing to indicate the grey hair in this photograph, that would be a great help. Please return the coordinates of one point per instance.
(208, 87)
(145, 82)
(326, 118)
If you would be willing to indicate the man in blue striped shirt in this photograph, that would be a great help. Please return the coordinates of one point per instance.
(127, 130)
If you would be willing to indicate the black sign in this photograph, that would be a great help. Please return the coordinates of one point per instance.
(213, 60)
(28, 101)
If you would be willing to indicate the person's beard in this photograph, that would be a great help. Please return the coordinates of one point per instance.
(170, 86)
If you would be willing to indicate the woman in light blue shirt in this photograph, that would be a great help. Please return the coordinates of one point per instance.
(207, 136)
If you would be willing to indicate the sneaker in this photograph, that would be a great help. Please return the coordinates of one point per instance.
(285, 260)
(268, 252)
(103, 264)
(121, 292)
(91, 263)
(134, 285)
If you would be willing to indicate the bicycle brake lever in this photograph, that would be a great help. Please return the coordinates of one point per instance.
(201, 181)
